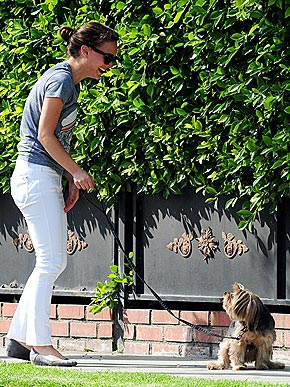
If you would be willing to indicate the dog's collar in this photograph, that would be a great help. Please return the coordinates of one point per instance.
(243, 330)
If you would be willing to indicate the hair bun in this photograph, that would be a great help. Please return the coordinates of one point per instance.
(66, 33)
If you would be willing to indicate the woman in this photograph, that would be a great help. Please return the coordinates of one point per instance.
(48, 119)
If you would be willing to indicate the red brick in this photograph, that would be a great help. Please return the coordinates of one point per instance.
(148, 333)
(76, 312)
(59, 328)
(286, 321)
(180, 333)
(4, 326)
(105, 331)
(138, 316)
(132, 347)
(192, 350)
(52, 312)
(281, 320)
(196, 318)
(287, 339)
(129, 331)
(163, 317)
(99, 346)
(205, 338)
(69, 344)
(165, 349)
(105, 314)
(83, 329)
(220, 319)
(279, 342)
(9, 309)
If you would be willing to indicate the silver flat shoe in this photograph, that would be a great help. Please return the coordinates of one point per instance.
(40, 360)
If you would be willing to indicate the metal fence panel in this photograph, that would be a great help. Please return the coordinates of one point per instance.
(90, 248)
(188, 250)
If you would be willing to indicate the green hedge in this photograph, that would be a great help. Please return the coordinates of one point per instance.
(200, 98)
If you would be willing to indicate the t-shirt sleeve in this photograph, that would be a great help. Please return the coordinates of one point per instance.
(59, 86)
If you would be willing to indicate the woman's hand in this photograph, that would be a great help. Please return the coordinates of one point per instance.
(73, 196)
(82, 180)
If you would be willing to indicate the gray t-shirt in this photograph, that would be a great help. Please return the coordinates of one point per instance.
(55, 82)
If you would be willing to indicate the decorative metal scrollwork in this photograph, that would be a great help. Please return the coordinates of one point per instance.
(207, 245)
(24, 241)
(74, 243)
(233, 247)
(182, 245)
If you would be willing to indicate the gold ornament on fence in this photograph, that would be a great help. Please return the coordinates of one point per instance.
(182, 245)
(24, 241)
(207, 245)
(233, 247)
(74, 243)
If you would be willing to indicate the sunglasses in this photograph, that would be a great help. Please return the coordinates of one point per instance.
(108, 57)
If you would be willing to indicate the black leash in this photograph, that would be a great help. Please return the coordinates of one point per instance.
(158, 298)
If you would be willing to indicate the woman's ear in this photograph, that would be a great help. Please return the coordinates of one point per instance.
(84, 50)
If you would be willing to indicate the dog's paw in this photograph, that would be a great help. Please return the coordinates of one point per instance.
(215, 366)
(276, 365)
(262, 366)
(240, 367)
(280, 365)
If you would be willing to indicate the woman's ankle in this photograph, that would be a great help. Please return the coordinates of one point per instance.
(48, 350)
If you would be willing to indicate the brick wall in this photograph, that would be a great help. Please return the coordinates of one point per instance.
(155, 332)
(146, 332)
(74, 328)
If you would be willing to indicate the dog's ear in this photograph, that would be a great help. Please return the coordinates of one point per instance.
(258, 316)
(266, 321)
(253, 314)
(237, 286)
(253, 326)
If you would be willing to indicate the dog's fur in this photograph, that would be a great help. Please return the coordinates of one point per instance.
(248, 314)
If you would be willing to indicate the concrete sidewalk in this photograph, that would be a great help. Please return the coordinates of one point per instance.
(91, 362)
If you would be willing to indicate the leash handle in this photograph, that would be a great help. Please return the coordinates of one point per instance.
(156, 295)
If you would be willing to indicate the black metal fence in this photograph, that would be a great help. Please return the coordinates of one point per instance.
(90, 249)
(185, 248)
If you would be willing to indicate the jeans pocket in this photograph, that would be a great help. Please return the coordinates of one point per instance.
(19, 189)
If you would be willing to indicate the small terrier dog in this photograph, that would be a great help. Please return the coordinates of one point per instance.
(253, 324)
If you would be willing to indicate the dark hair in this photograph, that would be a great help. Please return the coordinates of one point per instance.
(89, 34)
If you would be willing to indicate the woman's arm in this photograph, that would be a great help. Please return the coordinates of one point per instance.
(49, 117)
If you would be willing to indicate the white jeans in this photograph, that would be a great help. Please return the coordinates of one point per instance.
(37, 191)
